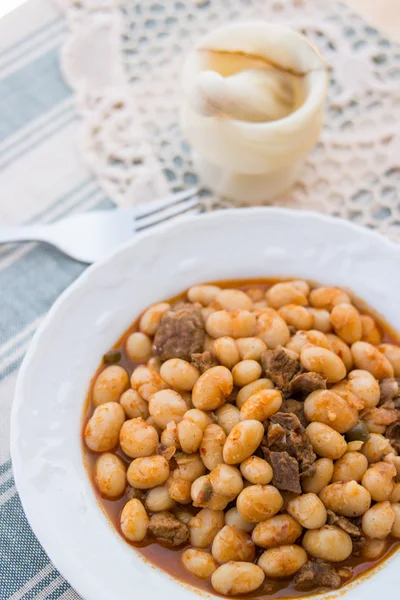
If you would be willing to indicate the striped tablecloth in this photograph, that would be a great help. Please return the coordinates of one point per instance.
(41, 178)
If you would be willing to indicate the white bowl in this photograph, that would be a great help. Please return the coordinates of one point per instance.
(91, 315)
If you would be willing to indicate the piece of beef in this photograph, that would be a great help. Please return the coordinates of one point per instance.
(358, 545)
(317, 574)
(346, 524)
(166, 528)
(286, 471)
(280, 366)
(180, 333)
(296, 407)
(305, 383)
(291, 438)
(389, 390)
(204, 360)
(393, 434)
(132, 492)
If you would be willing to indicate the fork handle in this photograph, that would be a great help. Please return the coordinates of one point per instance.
(27, 233)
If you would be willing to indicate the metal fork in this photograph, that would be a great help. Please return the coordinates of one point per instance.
(87, 237)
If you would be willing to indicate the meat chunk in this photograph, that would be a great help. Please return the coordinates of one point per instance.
(393, 434)
(305, 383)
(280, 366)
(389, 390)
(317, 574)
(296, 407)
(291, 438)
(286, 471)
(166, 528)
(180, 333)
(204, 360)
(343, 523)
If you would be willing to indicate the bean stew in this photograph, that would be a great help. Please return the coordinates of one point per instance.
(245, 437)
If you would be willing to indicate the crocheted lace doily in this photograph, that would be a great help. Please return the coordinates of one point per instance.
(124, 58)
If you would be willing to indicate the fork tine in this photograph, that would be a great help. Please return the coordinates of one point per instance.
(192, 207)
(153, 207)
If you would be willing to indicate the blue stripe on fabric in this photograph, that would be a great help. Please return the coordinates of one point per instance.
(6, 485)
(34, 34)
(36, 129)
(55, 129)
(30, 92)
(21, 555)
(5, 466)
(20, 306)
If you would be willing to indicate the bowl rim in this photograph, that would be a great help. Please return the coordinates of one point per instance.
(35, 522)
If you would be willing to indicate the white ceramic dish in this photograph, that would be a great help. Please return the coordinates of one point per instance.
(90, 316)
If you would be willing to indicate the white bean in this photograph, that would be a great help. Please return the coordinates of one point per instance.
(321, 319)
(138, 346)
(198, 562)
(204, 496)
(233, 518)
(232, 544)
(369, 358)
(328, 543)
(205, 526)
(370, 330)
(102, 429)
(134, 521)
(234, 578)
(242, 441)
(180, 490)
(350, 467)
(226, 351)
(378, 521)
(138, 438)
(151, 318)
(250, 348)
(166, 406)
(328, 297)
(234, 300)
(212, 388)
(190, 466)
(296, 316)
(148, 471)
(256, 470)
(277, 531)
(226, 481)
(341, 349)
(282, 561)
(308, 510)
(146, 381)
(365, 386)
(110, 385)
(325, 441)
(110, 475)
(327, 407)
(251, 388)
(245, 372)
(203, 294)
(392, 353)
(272, 329)
(349, 498)
(158, 499)
(396, 523)
(261, 405)
(325, 362)
(134, 405)
(322, 476)
(346, 322)
(376, 448)
(259, 502)
(212, 444)
(285, 292)
(227, 417)
(378, 480)
(179, 374)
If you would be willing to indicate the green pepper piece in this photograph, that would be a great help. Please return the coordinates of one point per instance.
(112, 357)
(358, 433)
